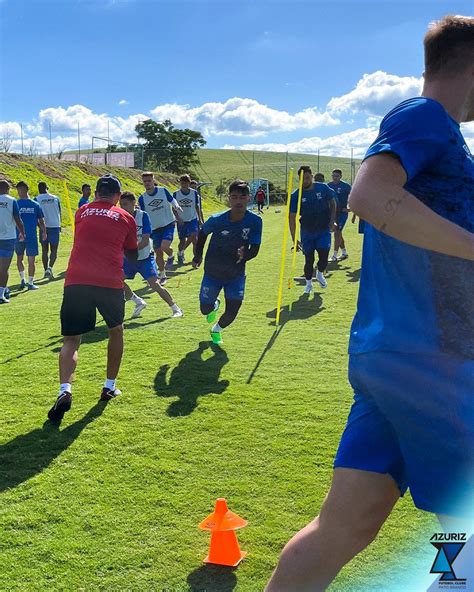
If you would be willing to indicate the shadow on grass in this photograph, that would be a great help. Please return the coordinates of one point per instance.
(52, 341)
(212, 578)
(354, 276)
(192, 378)
(303, 308)
(27, 455)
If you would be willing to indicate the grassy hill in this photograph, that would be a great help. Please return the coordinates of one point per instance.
(219, 164)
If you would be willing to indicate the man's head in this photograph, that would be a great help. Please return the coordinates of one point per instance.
(42, 187)
(128, 201)
(108, 188)
(307, 176)
(86, 190)
(185, 182)
(22, 189)
(239, 195)
(449, 56)
(336, 175)
(4, 187)
(319, 177)
(148, 180)
(193, 184)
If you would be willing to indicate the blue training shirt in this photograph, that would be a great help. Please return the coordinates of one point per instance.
(342, 190)
(82, 202)
(315, 207)
(411, 299)
(30, 213)
(227, 238)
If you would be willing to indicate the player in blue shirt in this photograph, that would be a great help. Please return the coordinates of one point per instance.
(145, 264)
(317, 221)
(10, 221)
(411, 347)
(342, 191)
(190, 218)
(236, 238)
(51, 208)
(86, 193)
(32, 216)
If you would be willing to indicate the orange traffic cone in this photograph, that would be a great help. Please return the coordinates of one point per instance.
(224, 548)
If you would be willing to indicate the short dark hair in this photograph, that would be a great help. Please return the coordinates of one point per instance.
(84, 186)
(128, 195)
(449, 45)
(4, 185)
(22, 184)
(338, 171)
(239, 186)
(319, 177)
(185, 178)
(42, 187)
(304, 169)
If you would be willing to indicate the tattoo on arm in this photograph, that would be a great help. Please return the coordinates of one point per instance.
(391, 208)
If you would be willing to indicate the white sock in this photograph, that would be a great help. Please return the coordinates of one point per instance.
(2, 292)
(181, 253)
(217, 328)
(344, 252)
(309, 283)
(175, 307)
(335, 253)
(136, 298)
(162, 274)
(22, 275)
(65, 386)
(30, 279)
(109, 383)
(320, 273)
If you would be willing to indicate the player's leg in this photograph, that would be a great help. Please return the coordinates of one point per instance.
(5, 261)
(20, 252)
(130, 270)
(182, 235)
(352, 514)
(308, 270)
(369, 476)
(53, 257)
(337, 244)
(149, 273)
(111, 305)
(166, 246)
(234, 291)
(31, 269)
(44, 255)
(323, 256)
(160, 263)
(342, 222)
(209, 298)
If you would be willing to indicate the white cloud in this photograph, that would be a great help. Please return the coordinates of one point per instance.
(375, 94)
(123, 102)
(241, 117)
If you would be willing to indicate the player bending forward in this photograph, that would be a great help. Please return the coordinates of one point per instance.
(145, 264)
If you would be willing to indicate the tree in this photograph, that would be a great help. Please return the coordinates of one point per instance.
(174, 149)
(6, 141)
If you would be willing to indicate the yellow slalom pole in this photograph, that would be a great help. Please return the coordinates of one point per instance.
(283, 249)
(68, 203)
(297, 236)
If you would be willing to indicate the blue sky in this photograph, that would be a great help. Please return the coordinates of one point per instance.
(297, 74)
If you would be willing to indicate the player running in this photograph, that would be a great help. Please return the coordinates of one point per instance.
(411, 348)
(342, 191)
(260, 199)
(145, 264)
(51, 207)
(86, 193)
(32, 216)
(317, 221)
(10, 221)
(189, 219)
(236, 238)
(158, 203)
(94, 281)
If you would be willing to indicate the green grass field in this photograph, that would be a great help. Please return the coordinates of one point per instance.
(112, 499)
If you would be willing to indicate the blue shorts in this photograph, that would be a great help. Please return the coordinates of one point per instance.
(31, 247)
(52, 236)
(187, 228)
(233, 289)
(145, 267)
(7, 248)
(312, 241)
(413, 418)
(165, 233)
(342, 219)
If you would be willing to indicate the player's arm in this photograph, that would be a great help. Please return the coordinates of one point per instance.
(42, 227)
(146, 231)
(378, 196)
(144, 241)
(198, 208)
(332, 213)
(245, 253)
(201, 241)
(174, 204)
(130, 246)
(20, 226)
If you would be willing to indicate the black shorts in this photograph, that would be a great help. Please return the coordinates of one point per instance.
(80, 302)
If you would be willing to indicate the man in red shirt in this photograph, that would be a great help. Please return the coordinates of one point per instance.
(94, 281)
(260, 197)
